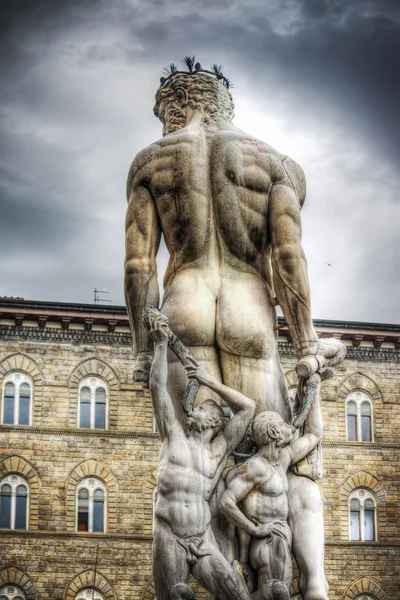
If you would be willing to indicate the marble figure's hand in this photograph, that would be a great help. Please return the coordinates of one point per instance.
(157, 330)
(141, 371)
(330, 352)
(195, 372)
(245, 570)
(263, 530)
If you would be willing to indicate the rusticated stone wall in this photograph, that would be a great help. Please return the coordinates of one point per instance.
(53, 562)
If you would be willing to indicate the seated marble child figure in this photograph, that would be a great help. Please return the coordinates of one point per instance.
(260, 486)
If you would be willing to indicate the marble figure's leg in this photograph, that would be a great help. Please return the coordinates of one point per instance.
(170, 568)
(260, 379)
(219, 577)
(307, 525)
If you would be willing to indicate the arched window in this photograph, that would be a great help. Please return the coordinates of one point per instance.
(362, 516)
(17, 399)
(91, 506)
(13, 502)
(359, 417)
(11, 592)
(365, 597)
(89, 594)
(92, 412)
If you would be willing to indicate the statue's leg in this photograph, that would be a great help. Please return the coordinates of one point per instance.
(220, 578)
(170, 568)
(207, 357)
(307, 525)
(272, 561)
(260, 379)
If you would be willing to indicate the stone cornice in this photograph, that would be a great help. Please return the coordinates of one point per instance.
(67, 336)
(142, 537)
(149, 435)
(80, 432)
(123, 338)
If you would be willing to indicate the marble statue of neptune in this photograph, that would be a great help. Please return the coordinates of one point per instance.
(228, 206)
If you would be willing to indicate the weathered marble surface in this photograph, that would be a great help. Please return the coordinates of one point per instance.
(228, 206)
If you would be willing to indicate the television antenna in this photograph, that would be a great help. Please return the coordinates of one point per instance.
(96, 296)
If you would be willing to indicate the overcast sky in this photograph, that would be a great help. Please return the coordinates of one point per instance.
(317, 79)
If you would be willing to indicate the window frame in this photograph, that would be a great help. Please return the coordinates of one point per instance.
(93, 382)
(97, 595)
(362, 495)
(18, 591)
(14, 480)
(91, 488)
(358, 397)
(17, 378)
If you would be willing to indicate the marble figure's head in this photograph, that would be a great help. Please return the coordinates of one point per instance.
(198, 91)
(269, 427)
(207, 415)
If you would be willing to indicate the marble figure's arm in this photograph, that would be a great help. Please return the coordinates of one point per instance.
(289, 265)
(313, 428)
(163, 407)
(142, 241)
(248, 477)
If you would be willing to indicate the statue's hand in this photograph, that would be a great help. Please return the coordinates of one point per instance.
(263, 530)
(195, 372)
(245, 569)
(141, 371)
(158, 329)
(329, 353)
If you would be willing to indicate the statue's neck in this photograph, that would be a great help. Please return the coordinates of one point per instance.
(270, 452)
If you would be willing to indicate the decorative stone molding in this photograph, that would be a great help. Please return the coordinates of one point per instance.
(149, 591)
(148, 487)
(365, 585)
(67, 336)
(359, 381)
(17, 577)
(98, 368)
(292, 379)
(91, 468)
(149, 482)
(362, 479)
(294, 590)
(21, 362)
(89, 578)
(18, 465)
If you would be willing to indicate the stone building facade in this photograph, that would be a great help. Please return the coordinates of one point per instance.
(78, 453)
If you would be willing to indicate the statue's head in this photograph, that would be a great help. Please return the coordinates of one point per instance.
(269, 427)
(197, 91)
(207, 415)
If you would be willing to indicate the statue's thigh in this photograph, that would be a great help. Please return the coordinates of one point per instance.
(169, 563)
(208, 359)
(259, 379)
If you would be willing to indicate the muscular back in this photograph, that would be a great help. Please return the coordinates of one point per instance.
(211, 191)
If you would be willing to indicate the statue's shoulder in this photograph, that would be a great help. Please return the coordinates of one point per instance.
(290, 173)
(253, 468)
(140, 164)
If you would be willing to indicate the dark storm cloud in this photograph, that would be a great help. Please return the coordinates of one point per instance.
(317, 79)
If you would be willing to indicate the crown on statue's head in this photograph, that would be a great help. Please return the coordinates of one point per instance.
(195, 67)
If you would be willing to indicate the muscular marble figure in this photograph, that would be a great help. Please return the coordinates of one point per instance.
(189, 468)
(261, 486)
(228, 206)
